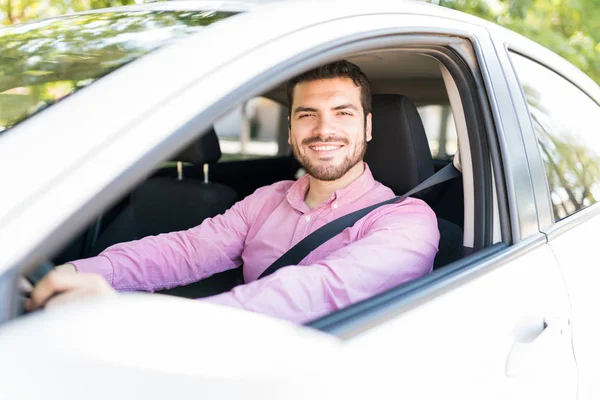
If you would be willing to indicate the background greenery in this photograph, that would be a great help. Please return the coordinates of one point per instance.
(17, 11)
(570, 28)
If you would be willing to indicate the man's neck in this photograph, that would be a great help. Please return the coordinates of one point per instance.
(319, 191)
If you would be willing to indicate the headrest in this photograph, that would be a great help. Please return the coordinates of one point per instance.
(204, 150)
(398, 155)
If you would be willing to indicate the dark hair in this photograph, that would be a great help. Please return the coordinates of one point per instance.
(338, 69)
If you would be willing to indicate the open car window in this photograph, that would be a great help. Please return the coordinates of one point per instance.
(255, 153)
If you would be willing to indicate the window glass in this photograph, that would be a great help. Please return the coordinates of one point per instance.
(44, 61)
(440, 130)
(257, 129)
(566, 124)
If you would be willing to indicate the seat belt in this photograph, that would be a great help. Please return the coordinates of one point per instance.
(297, 253)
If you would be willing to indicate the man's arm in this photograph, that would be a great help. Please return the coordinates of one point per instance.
(397, 248)
(176, 258)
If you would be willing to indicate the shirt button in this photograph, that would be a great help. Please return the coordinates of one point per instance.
(335, 205)
(307, 218)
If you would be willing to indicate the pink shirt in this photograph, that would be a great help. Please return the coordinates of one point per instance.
(393, 244)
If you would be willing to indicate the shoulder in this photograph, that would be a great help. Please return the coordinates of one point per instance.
(410, 212)
(412, 205)
(408, 206)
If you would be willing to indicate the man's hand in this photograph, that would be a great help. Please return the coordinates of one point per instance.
(65, 284)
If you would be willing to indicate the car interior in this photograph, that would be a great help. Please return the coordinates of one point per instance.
(414, 135)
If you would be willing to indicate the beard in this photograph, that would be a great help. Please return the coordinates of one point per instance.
(323, 169)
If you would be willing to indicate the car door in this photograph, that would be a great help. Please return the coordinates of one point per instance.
(564, 119)
(494, 325)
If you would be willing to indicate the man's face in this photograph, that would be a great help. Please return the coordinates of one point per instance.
(328, 130)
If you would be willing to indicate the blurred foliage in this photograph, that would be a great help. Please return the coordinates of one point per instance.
(87, 46)
(44, 61)
(570, 28)
(17, 11)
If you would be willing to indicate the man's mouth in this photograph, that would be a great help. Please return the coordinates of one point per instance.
(325, 147)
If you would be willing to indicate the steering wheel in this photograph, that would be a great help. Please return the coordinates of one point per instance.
(33, 277)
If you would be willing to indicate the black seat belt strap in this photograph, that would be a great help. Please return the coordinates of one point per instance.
(297, 253)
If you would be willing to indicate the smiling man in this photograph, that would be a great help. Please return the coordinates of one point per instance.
(329, 127)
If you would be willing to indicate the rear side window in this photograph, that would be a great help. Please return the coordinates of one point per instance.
(256, 129)
(566, 123)
(440, 130)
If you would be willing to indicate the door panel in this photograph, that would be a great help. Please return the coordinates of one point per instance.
(459, 343)
(563, 151)
(576, 251)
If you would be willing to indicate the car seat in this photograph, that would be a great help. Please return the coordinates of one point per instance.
(399, 157)
(166, 204)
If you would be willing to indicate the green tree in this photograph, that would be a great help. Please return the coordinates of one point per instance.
(570, 28)
(17, 11)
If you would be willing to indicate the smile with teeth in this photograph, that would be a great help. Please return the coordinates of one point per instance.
(327, 147)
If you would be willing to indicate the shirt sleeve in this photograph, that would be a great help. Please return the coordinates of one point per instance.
(177, 258)
(399, 245)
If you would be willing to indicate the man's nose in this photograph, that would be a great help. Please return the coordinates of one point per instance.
(325, 126)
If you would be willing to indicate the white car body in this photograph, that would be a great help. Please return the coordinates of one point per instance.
(512, 321)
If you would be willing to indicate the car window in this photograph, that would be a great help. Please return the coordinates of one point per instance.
(566, 125)
(45, 61)
(256, 129)
(440, 130)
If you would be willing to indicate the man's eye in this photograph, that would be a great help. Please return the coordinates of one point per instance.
(305, 115)
(345, 113)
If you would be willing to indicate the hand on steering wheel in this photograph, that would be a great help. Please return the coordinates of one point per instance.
(64, 284)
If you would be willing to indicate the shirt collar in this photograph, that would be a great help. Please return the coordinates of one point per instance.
(356, 189)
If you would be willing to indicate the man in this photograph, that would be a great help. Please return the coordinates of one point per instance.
(329, 127)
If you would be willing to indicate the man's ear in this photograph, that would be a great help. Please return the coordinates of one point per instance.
(369, 127)
(289, 131)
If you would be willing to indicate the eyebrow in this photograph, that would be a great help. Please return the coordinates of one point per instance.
(344, 106)
(337, 108)
(302, 109)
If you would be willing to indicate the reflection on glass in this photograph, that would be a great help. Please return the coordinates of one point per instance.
(44, 61)
(566, 124)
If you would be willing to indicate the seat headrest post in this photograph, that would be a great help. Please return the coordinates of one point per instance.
(179, 171)
(205, 149)
(205, 170)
